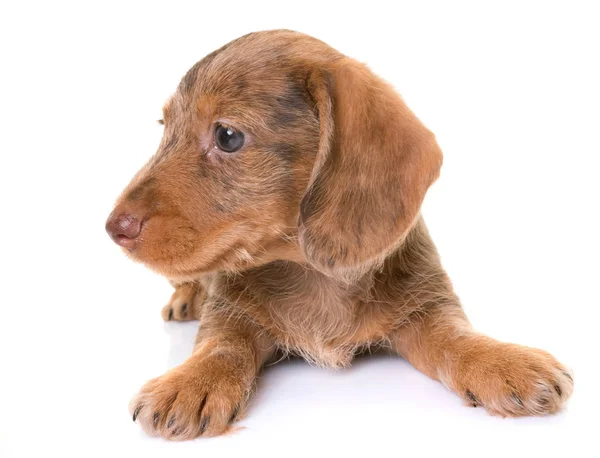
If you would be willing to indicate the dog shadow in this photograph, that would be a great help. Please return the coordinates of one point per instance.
(182, 337)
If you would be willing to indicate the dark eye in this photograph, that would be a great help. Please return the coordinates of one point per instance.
(228, 139)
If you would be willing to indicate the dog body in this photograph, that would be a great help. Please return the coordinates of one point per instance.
(328, 322)
(283, 205)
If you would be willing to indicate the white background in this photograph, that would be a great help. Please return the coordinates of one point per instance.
(512, 93)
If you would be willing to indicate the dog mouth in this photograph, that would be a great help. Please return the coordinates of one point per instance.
(215, 255)
(174, 246)
(125, 242)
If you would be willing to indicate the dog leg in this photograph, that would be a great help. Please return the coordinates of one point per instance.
(506, 379)
(185, 303)
(209, 391)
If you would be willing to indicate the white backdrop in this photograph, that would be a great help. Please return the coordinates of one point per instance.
(512, 93)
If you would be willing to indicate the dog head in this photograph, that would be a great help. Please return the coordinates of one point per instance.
(277, 146)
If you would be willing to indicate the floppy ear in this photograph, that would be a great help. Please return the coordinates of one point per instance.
(375, 162)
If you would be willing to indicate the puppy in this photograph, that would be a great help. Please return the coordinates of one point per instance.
(283, 205)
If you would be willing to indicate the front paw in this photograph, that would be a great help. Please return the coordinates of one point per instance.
(512, 380)
(185, 303)
(199, 398)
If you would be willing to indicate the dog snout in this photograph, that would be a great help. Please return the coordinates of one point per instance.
(124, 229)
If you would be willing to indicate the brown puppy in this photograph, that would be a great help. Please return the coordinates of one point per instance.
(283, 204)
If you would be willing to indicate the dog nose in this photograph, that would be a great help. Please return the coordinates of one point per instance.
(124, 229)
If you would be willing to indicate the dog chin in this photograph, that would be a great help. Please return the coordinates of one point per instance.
(178, 272)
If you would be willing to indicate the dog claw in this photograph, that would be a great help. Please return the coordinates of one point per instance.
(136, 412)
(517, 399)
(170, 314)
(234, 414)
(472, 398)
(558, 390)
(204, 424)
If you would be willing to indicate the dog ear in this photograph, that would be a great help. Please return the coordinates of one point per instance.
(374, 164)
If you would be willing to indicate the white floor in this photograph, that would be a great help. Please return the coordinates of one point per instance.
(73, 367)
(511, 91)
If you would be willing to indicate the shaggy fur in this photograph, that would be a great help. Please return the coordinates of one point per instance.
(306, 241)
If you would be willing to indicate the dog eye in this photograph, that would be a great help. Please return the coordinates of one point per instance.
(228, 139)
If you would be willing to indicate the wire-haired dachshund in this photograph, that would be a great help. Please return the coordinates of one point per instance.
(283, 204)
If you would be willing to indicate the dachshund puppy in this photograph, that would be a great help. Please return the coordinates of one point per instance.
(283, 204)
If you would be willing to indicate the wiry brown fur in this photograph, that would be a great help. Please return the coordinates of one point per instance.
(307, 241)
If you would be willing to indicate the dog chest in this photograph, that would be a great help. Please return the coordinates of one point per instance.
(306, 314)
